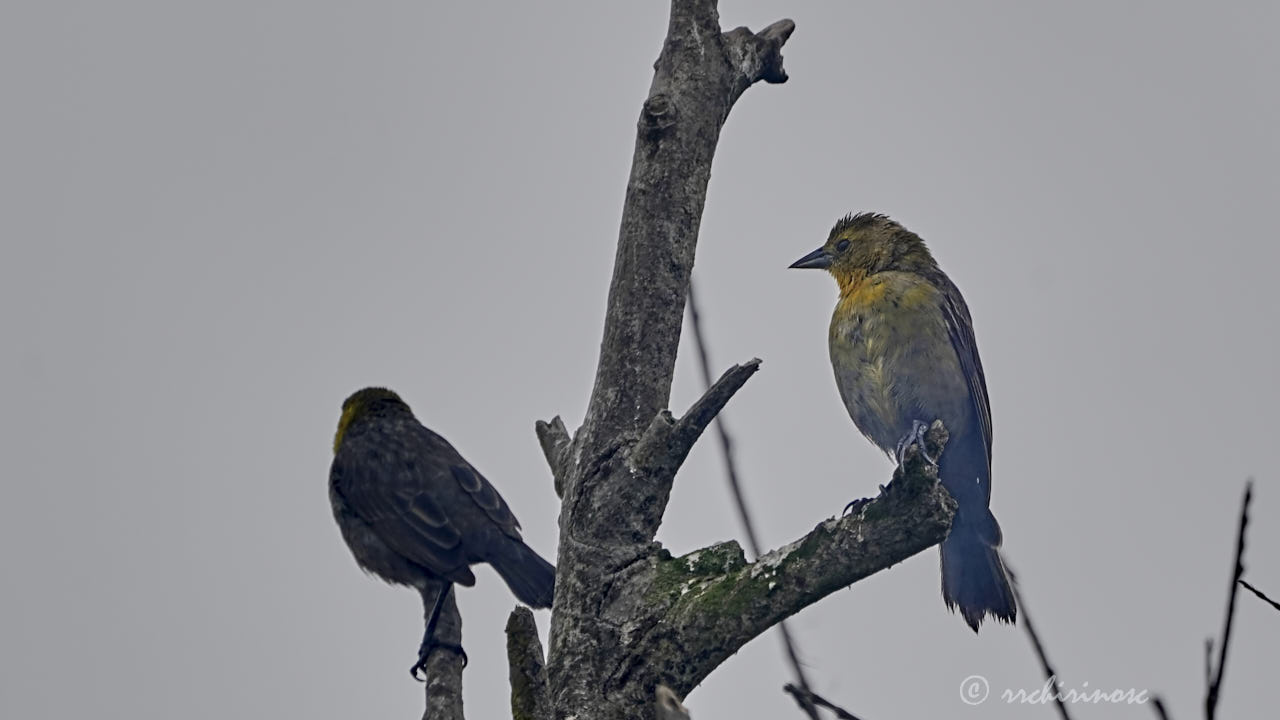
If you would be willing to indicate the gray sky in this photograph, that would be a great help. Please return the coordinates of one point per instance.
(221, 218)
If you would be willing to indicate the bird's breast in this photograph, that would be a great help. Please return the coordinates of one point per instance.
(893, 359)
(862, 361)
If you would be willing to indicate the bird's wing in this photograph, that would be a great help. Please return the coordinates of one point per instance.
(391, 492)
(960, 328)
(485, 497)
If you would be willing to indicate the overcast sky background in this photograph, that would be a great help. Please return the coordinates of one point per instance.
(221, 218)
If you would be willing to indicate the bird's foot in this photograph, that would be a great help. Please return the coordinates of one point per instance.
(857, 504)
(419, 669)
(854, 506)
(915, 437)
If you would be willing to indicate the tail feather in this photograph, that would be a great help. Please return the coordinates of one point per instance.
(973, 576)
(531, 578)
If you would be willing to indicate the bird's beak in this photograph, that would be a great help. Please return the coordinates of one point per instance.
(819, 259)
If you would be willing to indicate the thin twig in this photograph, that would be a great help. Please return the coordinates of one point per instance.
(1208, 662)
(1260, 594)
(1157, 704)
(1215, 687)
(1050, 674)
(810, 698)
(689, 427)
(744, 516)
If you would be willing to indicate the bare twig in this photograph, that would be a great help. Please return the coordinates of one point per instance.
(1260, 594)
(1050, 674)
(690, 426)
(1208, 662)
(739, 498)
(666, 443)
(555, 441)
(1215, 687)
(808, 698)
(1157, 704)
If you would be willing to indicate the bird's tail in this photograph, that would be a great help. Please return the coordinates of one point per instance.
(530, 578)
(973, 576)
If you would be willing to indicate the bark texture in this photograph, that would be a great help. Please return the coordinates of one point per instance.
(664, 620)
(613, 498)
(444, 668)
(667, 706)
(528, 676)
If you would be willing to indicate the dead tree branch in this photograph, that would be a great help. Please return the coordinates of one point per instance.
(809, 699)
(1215, 684)
(556, 446)
(613, 498)
(1050, 674)
(667, 441)
(677, 618)
(527, 672)
(712, 602)
(444, 668)
(1261, 595)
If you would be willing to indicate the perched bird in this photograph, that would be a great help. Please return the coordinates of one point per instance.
(904, 354)
(414, 512)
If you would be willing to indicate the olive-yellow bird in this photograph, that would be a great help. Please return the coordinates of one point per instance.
(904, 354)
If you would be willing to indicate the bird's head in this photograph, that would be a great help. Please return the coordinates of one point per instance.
(365, 402)
(865, 244)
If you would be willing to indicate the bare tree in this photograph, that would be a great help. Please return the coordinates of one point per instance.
(629, 616)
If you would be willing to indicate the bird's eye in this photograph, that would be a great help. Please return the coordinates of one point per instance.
(842, 246)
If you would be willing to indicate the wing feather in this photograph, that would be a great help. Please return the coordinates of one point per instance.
(421, 497)
(960, 329)
(391, 492)
(486, 497)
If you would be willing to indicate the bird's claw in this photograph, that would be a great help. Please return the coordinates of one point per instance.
(915, 437)
(857, 504)
(854, 506)
(419, 669)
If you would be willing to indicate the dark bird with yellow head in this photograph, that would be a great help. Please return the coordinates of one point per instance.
(414, 512)
(904, 354)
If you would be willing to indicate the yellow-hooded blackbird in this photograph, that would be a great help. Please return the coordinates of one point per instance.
(413, 511)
